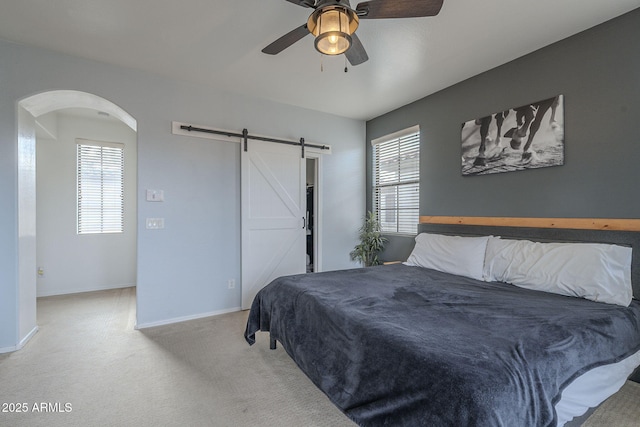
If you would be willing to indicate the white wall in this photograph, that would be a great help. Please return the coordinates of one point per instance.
(72, 262)
(26, 226)
(183, 269)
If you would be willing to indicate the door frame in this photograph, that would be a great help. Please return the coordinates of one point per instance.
(317, 211)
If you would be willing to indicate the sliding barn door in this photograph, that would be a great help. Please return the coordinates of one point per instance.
(273, 210)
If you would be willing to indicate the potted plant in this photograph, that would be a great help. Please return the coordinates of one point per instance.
(371, 242)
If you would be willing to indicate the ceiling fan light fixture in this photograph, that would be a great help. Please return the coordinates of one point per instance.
(332, 26)
(333, 43)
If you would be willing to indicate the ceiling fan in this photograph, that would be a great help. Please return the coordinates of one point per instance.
(334, 22)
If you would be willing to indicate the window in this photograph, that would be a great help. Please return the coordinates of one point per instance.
(100, 187)
(396, 181)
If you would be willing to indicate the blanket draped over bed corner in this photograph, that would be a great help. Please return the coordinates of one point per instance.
(397, 345)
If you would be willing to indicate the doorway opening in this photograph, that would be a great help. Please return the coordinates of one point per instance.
(38, 119)
(311, 214)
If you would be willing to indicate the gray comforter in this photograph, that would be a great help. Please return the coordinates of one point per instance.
(397, 345)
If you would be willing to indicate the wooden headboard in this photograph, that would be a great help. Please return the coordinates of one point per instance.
(624, 232)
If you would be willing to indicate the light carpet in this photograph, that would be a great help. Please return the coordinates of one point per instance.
(196, 373)
(88, 366)
(620, 410)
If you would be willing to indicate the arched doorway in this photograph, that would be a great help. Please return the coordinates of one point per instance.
(29, 109)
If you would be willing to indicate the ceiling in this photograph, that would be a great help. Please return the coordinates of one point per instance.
(218, 43)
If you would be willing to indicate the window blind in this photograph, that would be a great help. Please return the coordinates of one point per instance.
(100, 187)
(396, 188)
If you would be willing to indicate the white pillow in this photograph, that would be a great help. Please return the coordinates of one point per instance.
(463, 256)
(598, 272)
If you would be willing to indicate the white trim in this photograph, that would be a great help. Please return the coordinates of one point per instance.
(54, 292)
(8, 349)
(316, 150)
(46, 102)
(318, 205)
(96, 143)
(186, 318)
(22, 342)
(27, 337)
(396, 135)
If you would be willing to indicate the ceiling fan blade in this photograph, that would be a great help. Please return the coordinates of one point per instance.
(378, 9)
(356, 53)
(287, 40)
(303, 3)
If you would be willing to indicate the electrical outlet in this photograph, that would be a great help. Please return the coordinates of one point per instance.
(231, 283)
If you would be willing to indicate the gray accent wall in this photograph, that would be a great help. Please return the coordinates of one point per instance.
(598, 72)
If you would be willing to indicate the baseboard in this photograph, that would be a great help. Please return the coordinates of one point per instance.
(27, 337)
(22, 342)
(185, 318)
(54, 292)
(8, 349)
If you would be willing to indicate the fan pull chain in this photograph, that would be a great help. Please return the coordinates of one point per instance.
(345, 64)
(321, 66)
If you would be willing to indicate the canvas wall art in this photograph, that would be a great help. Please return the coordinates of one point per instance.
(527, 137)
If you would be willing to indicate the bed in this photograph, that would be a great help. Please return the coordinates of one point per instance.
(411, 345)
